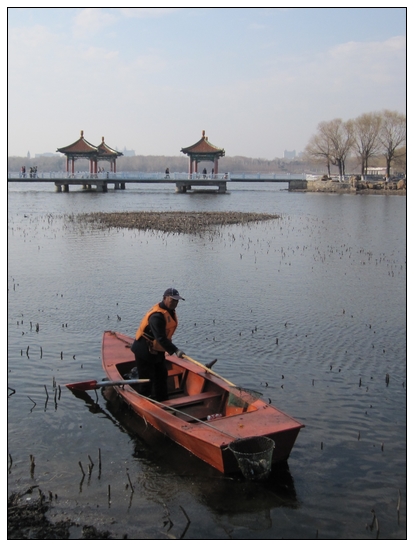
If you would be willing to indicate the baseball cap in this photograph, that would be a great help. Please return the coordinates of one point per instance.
(174, 294)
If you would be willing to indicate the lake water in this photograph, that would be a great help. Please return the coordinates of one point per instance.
(309, 309)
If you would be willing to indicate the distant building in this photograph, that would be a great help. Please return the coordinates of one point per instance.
(128, 152)
(379, 171)
(289, 154)
(46, 155)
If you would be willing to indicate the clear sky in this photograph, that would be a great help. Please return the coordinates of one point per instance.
(257, 80)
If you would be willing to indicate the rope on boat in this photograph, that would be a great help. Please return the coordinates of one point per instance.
(208, 424)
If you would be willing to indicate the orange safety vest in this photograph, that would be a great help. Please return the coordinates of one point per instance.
(170, 326)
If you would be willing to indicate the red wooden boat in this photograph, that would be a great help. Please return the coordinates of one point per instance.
(204, 412)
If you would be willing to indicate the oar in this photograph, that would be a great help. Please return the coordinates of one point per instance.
(94, 384)
(237, 393)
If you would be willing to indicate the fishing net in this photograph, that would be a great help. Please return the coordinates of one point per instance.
(254, 456)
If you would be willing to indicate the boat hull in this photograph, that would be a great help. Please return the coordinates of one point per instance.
(195, 395)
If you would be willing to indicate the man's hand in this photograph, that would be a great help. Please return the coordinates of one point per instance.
(179, 353)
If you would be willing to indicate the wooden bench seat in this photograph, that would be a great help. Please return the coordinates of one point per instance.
(191, 399)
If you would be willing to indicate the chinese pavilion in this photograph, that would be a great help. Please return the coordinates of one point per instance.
(203, 150)
(84, 149)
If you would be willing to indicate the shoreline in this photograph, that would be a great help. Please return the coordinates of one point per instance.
(357, 186)
(352, 191)
(29, 520)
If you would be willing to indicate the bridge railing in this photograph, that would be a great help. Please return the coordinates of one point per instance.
(269, 176)
(159, 176)
(123, 175)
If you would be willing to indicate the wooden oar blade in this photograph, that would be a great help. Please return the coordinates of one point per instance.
(94, 384)
(83, 386)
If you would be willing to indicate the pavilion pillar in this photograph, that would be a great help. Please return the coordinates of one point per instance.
(73, 166)
(215, 166)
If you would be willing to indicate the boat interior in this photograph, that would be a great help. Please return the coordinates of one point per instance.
(193, 397)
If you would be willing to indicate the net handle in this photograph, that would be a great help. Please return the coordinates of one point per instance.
(234, 390)
(207, 369)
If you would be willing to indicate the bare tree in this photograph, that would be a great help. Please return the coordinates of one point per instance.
(366, 130)
(393, 134)
(340, 137)
(319, 147)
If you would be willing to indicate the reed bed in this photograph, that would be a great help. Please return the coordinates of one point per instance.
(173, 221)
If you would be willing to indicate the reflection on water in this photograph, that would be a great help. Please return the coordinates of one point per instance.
(308, 309)
(168, 467)
(223, 494)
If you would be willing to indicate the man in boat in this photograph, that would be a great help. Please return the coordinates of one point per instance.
(152, 340)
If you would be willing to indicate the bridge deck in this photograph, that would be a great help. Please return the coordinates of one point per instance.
(182, 183)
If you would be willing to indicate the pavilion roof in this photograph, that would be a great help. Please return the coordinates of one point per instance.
(81, 147)
(203, 148)
(107, 151)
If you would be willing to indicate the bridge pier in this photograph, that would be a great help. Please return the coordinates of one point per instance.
(61, 187)
(182, 188)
